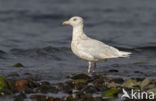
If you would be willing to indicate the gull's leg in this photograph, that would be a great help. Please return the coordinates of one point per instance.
(89, 66)
(94, 67)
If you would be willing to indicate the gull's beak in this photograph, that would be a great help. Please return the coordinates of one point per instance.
(66, 23)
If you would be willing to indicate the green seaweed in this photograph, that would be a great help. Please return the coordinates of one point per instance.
(111, 93)
(4, 83)
(17, 65)
(140, 63)
(130, 83)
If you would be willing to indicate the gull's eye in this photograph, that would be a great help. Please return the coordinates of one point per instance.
(74, 19)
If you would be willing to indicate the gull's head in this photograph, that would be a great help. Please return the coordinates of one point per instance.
(74, 21)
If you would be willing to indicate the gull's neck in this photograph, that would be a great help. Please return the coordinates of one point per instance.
(78, 33)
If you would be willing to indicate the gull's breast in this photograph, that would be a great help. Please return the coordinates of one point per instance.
(81, 54)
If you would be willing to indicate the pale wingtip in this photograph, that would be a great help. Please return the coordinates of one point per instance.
(125, 54)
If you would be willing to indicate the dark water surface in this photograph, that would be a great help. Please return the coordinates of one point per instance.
(31, 33)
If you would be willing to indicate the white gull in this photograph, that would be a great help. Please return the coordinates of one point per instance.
(90, 49)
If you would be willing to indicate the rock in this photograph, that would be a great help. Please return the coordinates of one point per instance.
(130, 83)
(43, 98)
(87, 98)
(89, 89)
(44, 83)
(28, 91)
(20, 97)
(33, 84)
(18, 65)
(99, 76)
(39, 98)
(111, 85)
(117, 80)
(27, 74)
(21, 84)
(80, 76)
(65, 87)
(46, 89)
(99, 84)
(73, 84)
(70, 98)
(79, 83)
(4, 83)
(145, 83)
(14, 75)
(153, 81)
(138, 72)
(111, 93)
(150, 86)
(140, 63)
(5, 92)
(152, 90)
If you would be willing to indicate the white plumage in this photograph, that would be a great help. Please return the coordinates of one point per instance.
(90, 49)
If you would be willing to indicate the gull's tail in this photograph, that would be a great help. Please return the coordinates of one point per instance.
(125, 54)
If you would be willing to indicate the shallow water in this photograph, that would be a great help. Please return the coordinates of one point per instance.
(31, 33)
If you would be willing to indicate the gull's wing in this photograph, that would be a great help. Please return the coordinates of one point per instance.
(98, 49)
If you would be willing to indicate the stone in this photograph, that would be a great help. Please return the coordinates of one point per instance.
(130, 83)
(145, 83)
(21, 84)
(4, 83)
(81, 76)
(111, 85)
(111, 93)
(18, 65)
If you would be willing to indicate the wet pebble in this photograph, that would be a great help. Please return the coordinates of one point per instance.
(145, 83)
(117, 80)
(4, 83)
(46, 89)
(111, 93)
(20, 97)
(21, 84)
(89, 89)
(111, 85)
(43, 98)
(99, 84)
(80, 76)
(13, 75)
(5, 92)
(130, 83)
(18, 65)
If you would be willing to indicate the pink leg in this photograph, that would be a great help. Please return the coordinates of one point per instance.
(89, 66)
(94, 67)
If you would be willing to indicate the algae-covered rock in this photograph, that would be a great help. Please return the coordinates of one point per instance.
(43, 98)
(4, 83)
(46, 89)
(111, 93)
(130, 83)
(99, 76)
(89, 89)
(145, 83)
(80, 82)
(81, 76)
(70, 98)
(140, 63)
(153, 91)
(111, 85)
(18, 65)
